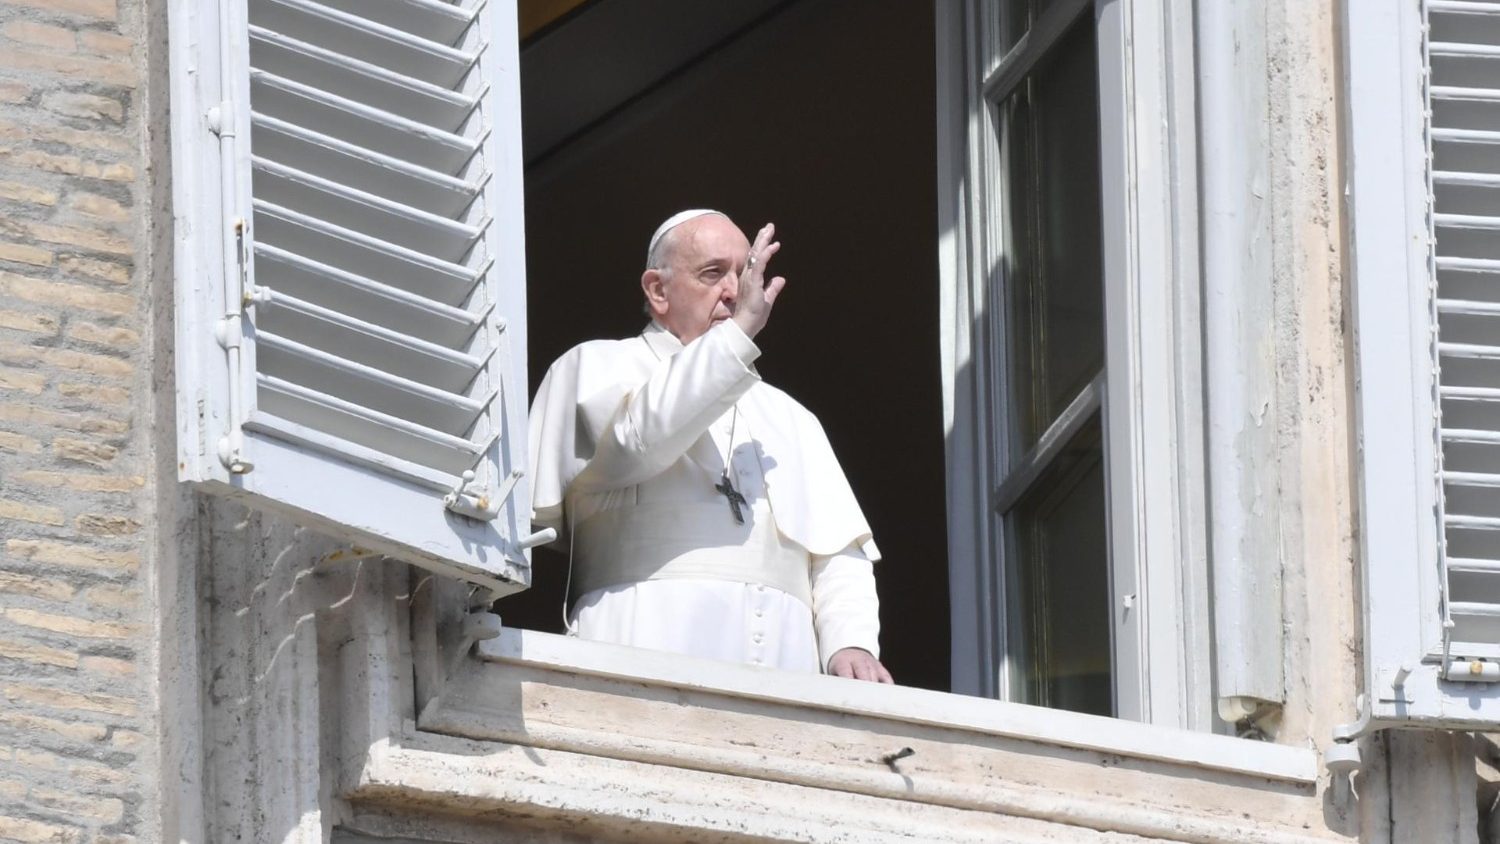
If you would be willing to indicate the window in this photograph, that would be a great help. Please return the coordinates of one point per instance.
(1079, 568)
(357, 172)
(1048, 318)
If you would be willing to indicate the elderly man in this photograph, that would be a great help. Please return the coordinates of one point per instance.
(705, 511)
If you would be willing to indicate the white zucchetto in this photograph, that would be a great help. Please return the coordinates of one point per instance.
(673, 222)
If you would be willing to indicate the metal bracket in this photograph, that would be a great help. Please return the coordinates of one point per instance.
(1471, 671)
(1343, 758)
(232, 453)
(478, 504)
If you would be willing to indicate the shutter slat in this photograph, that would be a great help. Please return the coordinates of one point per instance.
(382, 175)
(1464, 306)
(1455, 263)
(362, 124)
(367, 386)
(376, 217)
(363, 255)
(364, 298)
(367, 40)
(433, 479)
(1473, 351)
(1460, 92)
(361, 81)
(1474, 609)
(1474, 522)
(1461, 135)
(1466, 221)
(1469, 435)
(1473, 566)
(363, 426)
(1486, 180)
(430, 19)
(1452, 48)
(1487, 394)
(346, 337)
(1480, 479)
(1468, 7)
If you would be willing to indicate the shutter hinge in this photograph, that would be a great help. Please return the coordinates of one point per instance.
(216, 122)
(230, 332)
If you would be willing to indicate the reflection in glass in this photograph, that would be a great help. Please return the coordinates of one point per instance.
(1060, 621)
(1051, 319)
(1053, 260)
(1013, 21)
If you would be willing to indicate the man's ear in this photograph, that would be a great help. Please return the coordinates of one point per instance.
(653, 285)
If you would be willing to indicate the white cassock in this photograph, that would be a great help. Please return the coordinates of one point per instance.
(628, 442)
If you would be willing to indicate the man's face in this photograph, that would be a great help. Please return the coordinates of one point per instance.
(700, 279)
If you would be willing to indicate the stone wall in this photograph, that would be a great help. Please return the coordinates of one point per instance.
(74, 460)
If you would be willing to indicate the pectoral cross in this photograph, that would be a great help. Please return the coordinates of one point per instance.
(735, 499)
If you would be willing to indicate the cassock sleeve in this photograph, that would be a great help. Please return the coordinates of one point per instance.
(598, 423)
(657, 422)
(846, 611)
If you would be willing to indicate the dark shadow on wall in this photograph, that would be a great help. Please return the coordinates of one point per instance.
(821, 118)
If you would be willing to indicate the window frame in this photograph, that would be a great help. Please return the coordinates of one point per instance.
(1153, 402)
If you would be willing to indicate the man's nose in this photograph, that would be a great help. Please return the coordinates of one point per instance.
(730, 288)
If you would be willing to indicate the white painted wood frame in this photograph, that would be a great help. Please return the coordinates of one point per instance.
(1152, 396)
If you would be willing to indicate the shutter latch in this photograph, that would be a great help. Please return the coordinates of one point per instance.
(478, 504)
(1471, 671)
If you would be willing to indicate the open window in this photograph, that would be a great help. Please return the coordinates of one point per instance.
(987, 316)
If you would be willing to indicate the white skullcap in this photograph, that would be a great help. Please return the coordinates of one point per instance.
(673, 222)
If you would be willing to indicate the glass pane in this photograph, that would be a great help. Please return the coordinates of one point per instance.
(1054, 284)
(1060, 636)
(1013, 21)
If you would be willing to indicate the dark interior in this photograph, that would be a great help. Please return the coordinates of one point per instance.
(817, 115)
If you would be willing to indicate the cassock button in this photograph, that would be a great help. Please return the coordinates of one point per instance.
(757, 638)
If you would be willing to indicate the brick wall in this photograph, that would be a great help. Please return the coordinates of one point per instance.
(73, 455)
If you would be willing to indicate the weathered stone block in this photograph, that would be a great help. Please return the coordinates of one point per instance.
(78, 451)
(69, 625)
(23, 511)
(73, 555)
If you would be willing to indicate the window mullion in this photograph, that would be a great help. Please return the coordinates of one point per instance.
(1024, 473)
(1042, 36)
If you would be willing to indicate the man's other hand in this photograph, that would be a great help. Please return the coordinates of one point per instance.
(755, 297)
(858, 664)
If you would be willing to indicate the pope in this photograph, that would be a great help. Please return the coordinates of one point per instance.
(704, 510)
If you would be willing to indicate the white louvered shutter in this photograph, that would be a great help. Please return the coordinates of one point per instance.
(1424, 83)
(1463, 51)
(351, 302)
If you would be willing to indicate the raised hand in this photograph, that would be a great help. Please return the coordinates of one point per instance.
(753, 303)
